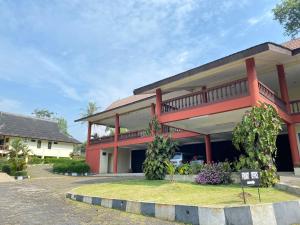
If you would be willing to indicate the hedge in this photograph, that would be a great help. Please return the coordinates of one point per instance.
(71, 167)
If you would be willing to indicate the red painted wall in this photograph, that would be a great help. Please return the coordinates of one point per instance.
(92, 158)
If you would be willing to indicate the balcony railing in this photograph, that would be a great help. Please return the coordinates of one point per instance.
(295, 107)
(104, 139)
(133, 134)
(271, 95)
(223, 92)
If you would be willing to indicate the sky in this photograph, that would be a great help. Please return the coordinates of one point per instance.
(61, 54)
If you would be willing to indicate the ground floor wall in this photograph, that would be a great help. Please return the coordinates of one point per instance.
(45, 147)
(132, 160)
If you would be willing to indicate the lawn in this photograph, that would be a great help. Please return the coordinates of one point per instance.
(181, 193)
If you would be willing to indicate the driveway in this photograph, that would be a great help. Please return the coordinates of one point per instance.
(41, 200)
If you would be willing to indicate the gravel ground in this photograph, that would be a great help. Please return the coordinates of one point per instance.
(41, 200)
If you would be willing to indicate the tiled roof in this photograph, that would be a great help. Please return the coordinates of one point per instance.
(30, 127)
(128, 100)
(292, 44)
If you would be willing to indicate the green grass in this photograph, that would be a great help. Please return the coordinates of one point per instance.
(181, 193)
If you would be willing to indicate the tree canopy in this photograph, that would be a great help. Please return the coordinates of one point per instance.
(288, 14)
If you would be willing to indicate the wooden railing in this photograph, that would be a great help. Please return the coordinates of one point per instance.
(271, 95)
(168, 129)
(133, 134)
(219, 93)
(295, 107)
(104, 139)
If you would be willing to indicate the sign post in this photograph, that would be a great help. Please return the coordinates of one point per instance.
(250, 178)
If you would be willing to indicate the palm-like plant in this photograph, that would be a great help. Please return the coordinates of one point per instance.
(18, 154)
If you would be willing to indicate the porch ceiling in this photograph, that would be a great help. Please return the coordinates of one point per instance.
(212, 124)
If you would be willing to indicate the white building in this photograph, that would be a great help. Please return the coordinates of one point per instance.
(42, 136)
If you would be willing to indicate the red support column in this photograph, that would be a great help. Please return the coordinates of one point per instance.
(293, 143)
(158, 102)
(152, 116)
(283, 86)
(117, 131)
(252, 81)
(89, 134)
(208, 149)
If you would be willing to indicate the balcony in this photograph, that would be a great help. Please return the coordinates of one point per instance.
(131, 135)
(220, 93)
(271, 95)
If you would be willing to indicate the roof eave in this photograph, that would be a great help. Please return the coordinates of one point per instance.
(219, 62)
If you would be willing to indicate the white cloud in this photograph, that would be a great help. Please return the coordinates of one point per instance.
(260, 19)
(9, 105)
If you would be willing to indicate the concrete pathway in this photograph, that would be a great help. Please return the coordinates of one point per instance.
(41, 200)
(290, 179)
(6, 178)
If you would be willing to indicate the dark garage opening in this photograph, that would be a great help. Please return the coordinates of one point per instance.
(221, 151)
(137, 159)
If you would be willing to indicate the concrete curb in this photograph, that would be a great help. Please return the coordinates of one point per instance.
(288, 188)
(282, 213)
(76, 174)
(22, 177)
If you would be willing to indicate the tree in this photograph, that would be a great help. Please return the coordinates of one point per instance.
(62, 125)
(158, 152)
(111, 130)
(255, 136)
(46, 114)
(18, 154)
(288, 15)
(90, 109)
(80, 149)
(43, 113)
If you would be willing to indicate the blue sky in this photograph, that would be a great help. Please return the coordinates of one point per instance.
(61, 54)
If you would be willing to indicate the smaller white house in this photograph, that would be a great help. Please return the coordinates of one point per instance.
(42, 136)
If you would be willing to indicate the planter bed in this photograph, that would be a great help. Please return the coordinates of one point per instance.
(287, 212)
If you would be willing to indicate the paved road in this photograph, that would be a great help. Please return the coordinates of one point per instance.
(41, 200)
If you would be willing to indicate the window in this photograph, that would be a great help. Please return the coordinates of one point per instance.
(55, 142)
(39, 144)
(32, 140)
(49, 144)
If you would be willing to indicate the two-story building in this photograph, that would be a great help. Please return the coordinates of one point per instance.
(202, 106)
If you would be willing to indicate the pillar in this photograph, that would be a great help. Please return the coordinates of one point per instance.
(152, 116)
(293, 143)
(252, 81)
(283, 86)
(158, 102)
(89, 133)
(117, 131)
(208, 149)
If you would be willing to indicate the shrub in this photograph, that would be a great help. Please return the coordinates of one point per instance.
(35, 160)
(170, 169)
(51, 160)
(21, 173)
(6, 169)
(196, 167)
(255, 136)
(215, 173)
(71, 167)
(184, 169)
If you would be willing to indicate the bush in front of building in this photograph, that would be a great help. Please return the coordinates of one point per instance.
(255, 136)
(215, 173)
(71, 167)
(6, 169)
(21, 173)
(184, 169)
(35, 160)
(52, 160)
(158, 152)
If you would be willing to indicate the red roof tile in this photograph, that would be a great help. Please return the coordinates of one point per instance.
(292, 44)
